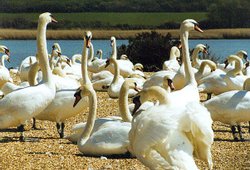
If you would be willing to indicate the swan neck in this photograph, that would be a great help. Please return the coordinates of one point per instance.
(91, 118)
(117, 72)
(114, 51)
(84, 66)
(173, 53)
(190, 78)
(43, 53)
(195, 57)
(33, 73)
(123, 104)
(2, 60)
(237, 68)
(91, 53)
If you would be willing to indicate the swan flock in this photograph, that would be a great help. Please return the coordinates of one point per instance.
(166, 126)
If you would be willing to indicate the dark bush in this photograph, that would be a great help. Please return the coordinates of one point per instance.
(150, 49)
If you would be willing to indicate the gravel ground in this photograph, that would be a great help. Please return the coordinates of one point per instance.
(50, 152)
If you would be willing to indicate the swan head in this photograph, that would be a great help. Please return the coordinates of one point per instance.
(131, 84)
(87, 38)
(112, 41)
(109, 61)
(46, 18)
(190, 24)
(4, 49)
(124, 57)
(232, 58)
(242, 54)
(65, 59)
(99, 52)
(202, 48)
(138, 66)
(84, 90)
(168, 83)
(56, 46)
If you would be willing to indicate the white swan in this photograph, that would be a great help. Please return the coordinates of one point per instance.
(172, 64)
(115, 86)
(196, 62)
(61, 108)
(241, 53)
(126, 66)
(4, 72)
(201, 71)
(23, 104)
(176, 76)
(9, 87)
(219, 82)
(124, 111)
(231, 107)
(166, 135)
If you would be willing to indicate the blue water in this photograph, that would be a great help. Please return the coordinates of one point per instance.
(20, 49)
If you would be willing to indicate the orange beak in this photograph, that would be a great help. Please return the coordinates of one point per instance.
(197, 28)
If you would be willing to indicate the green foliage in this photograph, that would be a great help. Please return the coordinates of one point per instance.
(230, 13)
(103, 5)
(104, 20)
(150, 49)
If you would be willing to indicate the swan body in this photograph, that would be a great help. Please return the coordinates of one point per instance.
(241, 53)
(219, 82)
(61, 108)
(231, 107)
(109, 135)
(183, 131)
(172, 64)
(115, 86)
(23, 104)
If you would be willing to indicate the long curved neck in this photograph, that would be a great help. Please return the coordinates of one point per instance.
(237, 69)
(43, 53)
(117, 72)
(84, 65)
(91, 53)
(195, 57)
(100, 56)
(156, 92)
(91, 118)
(114, 51)
(2, 60)
(190, 78)
(123, 103)
(32, 74)
(204, 64)
(173, 52)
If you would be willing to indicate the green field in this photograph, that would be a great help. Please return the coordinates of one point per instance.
(113, 19)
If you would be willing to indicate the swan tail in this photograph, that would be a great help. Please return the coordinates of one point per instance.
(201, 132)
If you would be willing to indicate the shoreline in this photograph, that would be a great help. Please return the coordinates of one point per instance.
(77, 34)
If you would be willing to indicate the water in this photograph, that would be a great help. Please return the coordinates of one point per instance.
(20, 49)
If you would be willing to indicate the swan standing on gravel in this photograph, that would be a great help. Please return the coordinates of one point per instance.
(61, 108)
(167, 135)
(231, 107)
(23, 104)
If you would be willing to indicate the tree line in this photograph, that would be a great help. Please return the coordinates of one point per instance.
(221, 13)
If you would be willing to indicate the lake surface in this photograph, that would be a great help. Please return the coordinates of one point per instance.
(20, 49)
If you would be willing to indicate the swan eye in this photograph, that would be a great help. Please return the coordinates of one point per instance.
(135, 84)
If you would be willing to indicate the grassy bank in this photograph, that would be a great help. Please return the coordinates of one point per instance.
(100, 19)
(243, 33)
